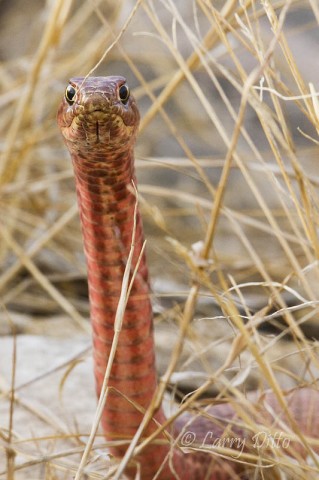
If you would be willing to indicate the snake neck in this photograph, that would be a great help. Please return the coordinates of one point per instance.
(107, 205)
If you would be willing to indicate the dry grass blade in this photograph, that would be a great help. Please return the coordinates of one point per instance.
(10, 453)
(44, 282)
(55, 22)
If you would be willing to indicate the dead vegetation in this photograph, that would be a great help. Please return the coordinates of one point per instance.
(226, 162)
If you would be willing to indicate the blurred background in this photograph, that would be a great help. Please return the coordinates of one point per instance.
(191, 66)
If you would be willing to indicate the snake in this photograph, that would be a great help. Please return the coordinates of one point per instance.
(99, 120)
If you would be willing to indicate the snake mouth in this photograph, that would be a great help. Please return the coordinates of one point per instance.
(97, 132)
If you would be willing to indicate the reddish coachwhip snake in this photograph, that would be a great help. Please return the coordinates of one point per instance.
(99, 119)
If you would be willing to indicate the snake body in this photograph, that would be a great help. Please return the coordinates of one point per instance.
(99, 119)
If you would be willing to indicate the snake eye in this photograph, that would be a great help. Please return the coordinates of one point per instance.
(124, 93)
(70, 94)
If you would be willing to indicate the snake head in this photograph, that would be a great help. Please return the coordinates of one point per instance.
(98, 114)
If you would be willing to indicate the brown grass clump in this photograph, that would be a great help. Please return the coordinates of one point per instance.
(226, 162)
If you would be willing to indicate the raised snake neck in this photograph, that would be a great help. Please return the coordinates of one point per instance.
(99, 119)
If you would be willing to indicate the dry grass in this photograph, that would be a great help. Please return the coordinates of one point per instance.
(226, 164)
